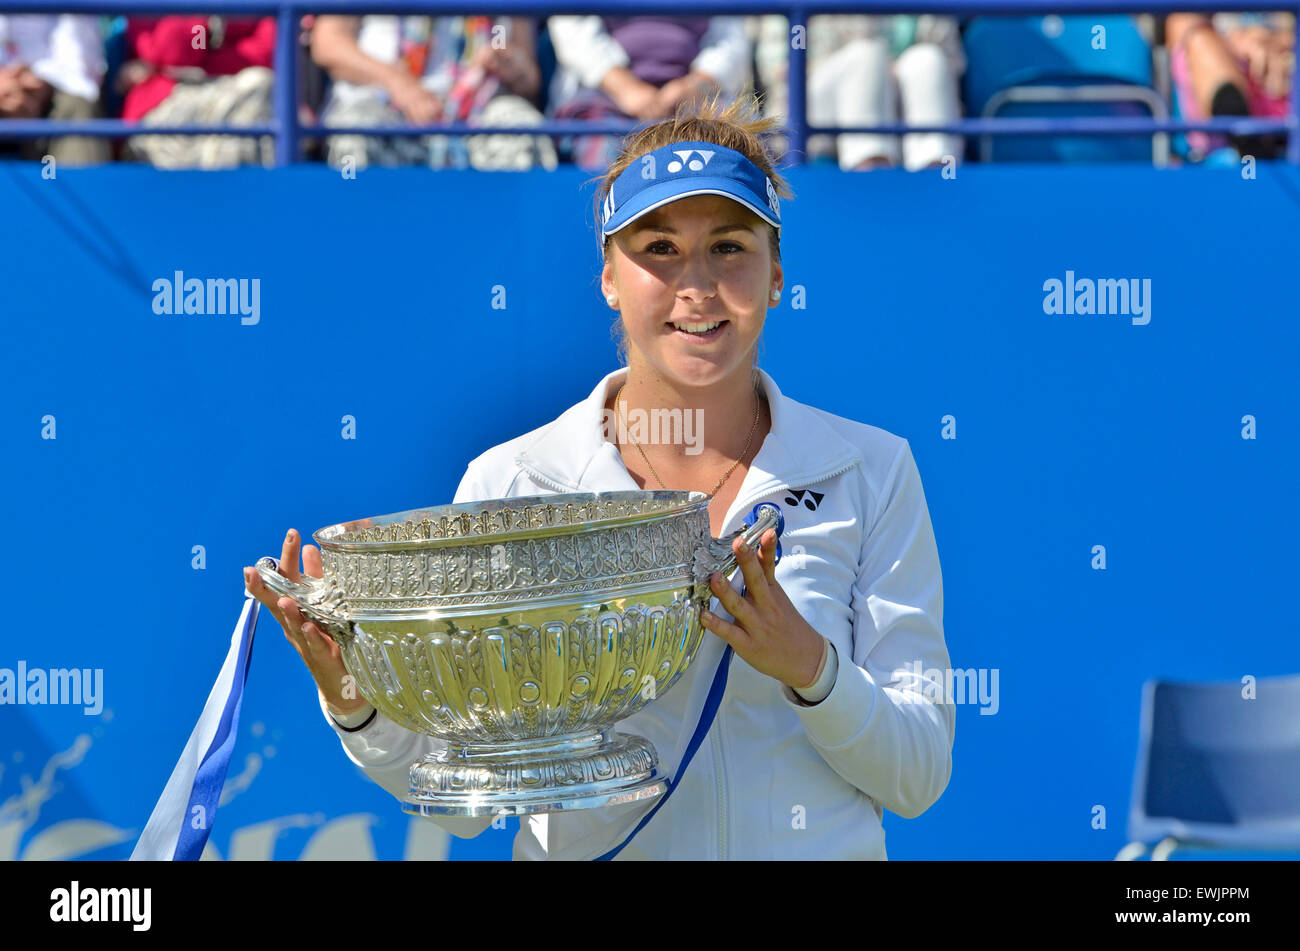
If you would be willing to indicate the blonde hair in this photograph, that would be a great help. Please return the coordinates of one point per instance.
(737, 124)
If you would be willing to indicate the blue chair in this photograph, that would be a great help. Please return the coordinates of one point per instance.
(1216, 770)
(1050, 66)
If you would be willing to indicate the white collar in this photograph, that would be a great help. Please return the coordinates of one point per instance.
(801, 448)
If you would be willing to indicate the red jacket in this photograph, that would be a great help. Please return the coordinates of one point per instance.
(169, 41)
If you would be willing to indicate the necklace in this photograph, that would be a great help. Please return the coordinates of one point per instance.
(758, 410)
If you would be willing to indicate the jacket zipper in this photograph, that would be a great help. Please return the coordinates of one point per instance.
(719, 757)
(722, 793)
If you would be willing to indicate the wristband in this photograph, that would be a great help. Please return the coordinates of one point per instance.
(820, 688)
(360, 726)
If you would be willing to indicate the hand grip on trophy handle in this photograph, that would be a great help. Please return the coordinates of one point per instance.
(716, 555)
(316, 598)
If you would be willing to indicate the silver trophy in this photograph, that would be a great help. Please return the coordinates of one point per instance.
(519, 631)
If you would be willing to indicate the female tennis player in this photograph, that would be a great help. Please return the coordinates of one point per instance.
(827, 717)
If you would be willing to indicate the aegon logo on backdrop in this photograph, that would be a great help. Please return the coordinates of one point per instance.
(217, 295)
(1105, 296)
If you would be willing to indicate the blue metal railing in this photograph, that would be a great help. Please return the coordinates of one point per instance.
(289, 131)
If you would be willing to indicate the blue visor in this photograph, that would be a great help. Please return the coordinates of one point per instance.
(683, 169)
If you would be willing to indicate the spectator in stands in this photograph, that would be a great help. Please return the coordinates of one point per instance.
(641, 68)
(864, 70)
(195, 70)
(387, 70)
(1232, 65)
(51, 67)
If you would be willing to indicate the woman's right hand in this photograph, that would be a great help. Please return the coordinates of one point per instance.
(636, 98)
(317, 649)
(419, 105)
(132, 73)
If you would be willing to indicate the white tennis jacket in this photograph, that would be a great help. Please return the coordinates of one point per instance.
(775, 778)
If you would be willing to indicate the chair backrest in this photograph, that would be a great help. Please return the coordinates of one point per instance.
(1055, 50)
(1219, 767)
(1059, 52)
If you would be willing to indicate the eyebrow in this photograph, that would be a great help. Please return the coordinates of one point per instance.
(664, 229)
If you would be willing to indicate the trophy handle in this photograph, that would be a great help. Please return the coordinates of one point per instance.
(319, 600)
(716, 554)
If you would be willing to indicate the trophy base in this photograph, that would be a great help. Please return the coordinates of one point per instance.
(558, 774)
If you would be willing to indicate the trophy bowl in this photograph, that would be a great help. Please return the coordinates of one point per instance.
(519, 631)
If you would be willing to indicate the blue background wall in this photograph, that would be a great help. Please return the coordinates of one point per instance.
(924, 298)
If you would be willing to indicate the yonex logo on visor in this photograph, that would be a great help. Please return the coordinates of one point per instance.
(684, 160)
(683, 169)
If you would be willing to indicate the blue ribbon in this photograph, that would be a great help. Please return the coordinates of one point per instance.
(194, 790)
(211, 776)
(711, 703)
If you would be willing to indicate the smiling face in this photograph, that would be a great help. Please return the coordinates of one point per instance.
(692, 280)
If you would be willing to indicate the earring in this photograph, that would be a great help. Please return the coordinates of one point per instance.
(610, 299)
(776, 294)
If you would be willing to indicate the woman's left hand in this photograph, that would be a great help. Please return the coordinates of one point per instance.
(693, 84)
(513, 66)
(768, 632)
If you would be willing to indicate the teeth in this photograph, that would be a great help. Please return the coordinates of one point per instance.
(698, 328)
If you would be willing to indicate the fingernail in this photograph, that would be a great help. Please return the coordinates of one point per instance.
(291, 535)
